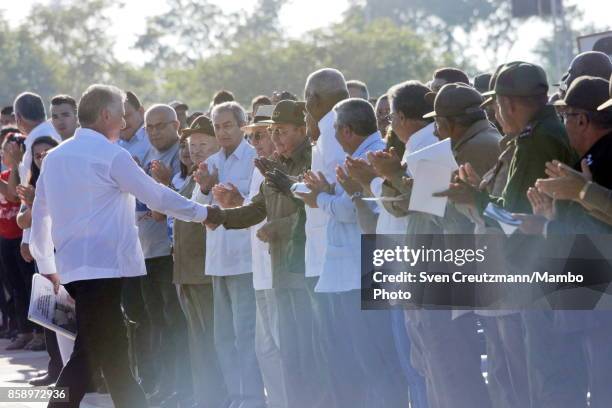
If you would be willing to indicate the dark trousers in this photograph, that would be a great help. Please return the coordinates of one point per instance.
(447, 352)
(598, 351)
(19, 277)
(55, 358)
(506, 361)
(555, 362)
(136, 311)
(168, 327)
(101, 342)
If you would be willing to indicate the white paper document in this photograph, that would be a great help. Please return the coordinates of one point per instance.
(440, 153)
(55, 312)
(430, 177)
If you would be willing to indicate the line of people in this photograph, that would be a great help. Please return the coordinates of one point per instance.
(230, 242)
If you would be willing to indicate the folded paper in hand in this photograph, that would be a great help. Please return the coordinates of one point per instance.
(505, 219)
(53, 311)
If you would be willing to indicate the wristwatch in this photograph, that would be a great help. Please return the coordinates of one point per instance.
(357, 196)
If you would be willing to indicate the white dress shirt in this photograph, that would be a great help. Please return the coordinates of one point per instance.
(262, 262)
(342, 262)
(228, 252)
(420, 140)
(43, 129)
(387, 223)
(138, 145)
(85, 209)
(326, 155)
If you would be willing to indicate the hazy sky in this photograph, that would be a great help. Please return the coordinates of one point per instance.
(298, 17)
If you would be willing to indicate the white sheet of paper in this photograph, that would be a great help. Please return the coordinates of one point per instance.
(440, 153)
(430, 177)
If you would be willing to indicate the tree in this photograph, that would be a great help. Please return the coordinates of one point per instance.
(25, 64)
(192, 30)
(456, 23)
(76, 32)
(380, 53)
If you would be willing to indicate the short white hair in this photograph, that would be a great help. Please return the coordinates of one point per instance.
(167, 109)
(326, 82)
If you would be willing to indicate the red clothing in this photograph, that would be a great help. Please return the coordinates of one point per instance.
(8, 214)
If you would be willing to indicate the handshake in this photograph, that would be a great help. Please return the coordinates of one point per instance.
(215, 217)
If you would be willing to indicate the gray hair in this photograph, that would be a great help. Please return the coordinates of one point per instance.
(95, 99)
(357, 114)
(363, 88)
(30, 107)
(235, 108)
(328, 83)
(167, 109)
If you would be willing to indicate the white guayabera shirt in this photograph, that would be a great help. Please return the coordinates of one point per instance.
(85, 210)
(228, 252)
(326, 155)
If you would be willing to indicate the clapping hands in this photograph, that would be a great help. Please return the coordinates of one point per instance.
(206, 179)
(161, 173)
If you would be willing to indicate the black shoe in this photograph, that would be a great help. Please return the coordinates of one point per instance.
(43, 381)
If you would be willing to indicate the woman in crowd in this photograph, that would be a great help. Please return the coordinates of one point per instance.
(18, 271)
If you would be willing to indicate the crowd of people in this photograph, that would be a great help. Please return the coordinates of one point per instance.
(214, 256)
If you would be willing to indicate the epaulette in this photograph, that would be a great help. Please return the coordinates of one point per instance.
(526, 132)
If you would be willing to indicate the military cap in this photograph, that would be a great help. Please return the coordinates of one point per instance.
(201, 124)
(481, 82)
(492, 82)
(586, 92)
(263, 113)
(520, 79)
(591, 63)
(608, 103)
(288, 112)
(456, 100)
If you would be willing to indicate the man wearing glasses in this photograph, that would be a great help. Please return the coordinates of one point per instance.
(167, 320)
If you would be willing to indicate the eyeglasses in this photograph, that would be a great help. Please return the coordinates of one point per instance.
(157, 127)
(255, 136)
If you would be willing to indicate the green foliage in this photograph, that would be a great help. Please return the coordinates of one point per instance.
(196, 48)
(380, 53)
(25, 65)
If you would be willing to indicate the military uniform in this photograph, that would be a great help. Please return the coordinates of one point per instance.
(578, 230)
(284, 320)
(555, 370)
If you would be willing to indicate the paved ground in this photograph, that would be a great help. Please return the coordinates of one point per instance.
(17, 367)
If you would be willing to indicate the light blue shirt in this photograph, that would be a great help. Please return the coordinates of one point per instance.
(138, 146)
(342, 263)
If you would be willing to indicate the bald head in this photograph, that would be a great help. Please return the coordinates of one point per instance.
(324, 89)
(161, 124)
